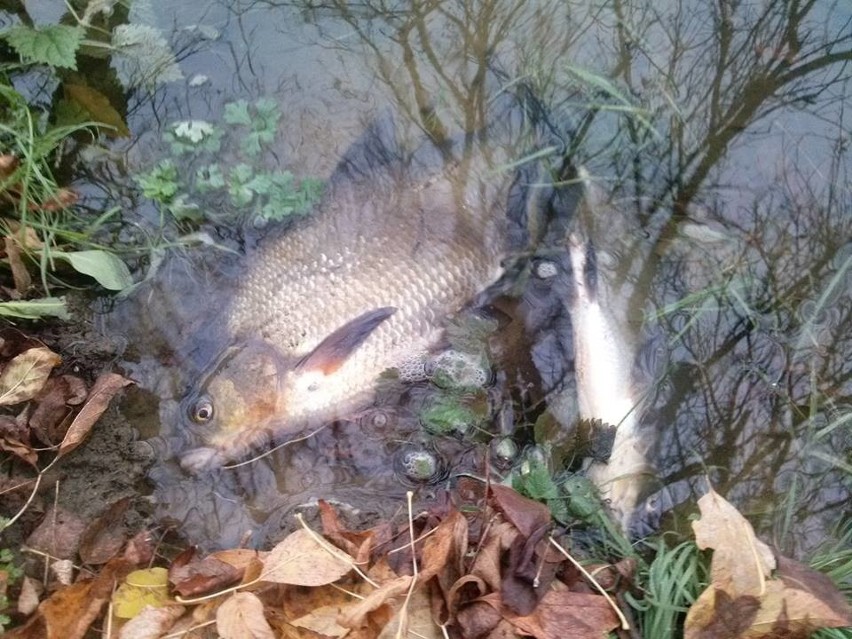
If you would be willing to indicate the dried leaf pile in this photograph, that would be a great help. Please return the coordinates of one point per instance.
(43, 411)
(498, 571)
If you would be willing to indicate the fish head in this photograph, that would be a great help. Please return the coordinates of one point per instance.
(237, 404)
(255, 392)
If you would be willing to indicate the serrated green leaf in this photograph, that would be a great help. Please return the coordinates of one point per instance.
(36, 309)
(55, 45)
(106, 268)
(237, 113)
(143, 56)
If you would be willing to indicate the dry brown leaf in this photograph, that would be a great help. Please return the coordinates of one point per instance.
(487, 565)
(240, 558)
(741, 562)
(20, 275)
(104, 537)
(68, 613)
(139, 549)
(20, 450)
(59, 534)
(31, 590)
(353, 616)
(323, 620)
(413, 619)
(742, 601)
(103, 390)
(152, 622)
(528, 516)
(24, 376)
(563, 615)
(300, 560)
(204, 575)
(241, 617)
(797, 604)
(50, 419)
(98, 106)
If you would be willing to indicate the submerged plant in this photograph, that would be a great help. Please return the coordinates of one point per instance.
(256, 194)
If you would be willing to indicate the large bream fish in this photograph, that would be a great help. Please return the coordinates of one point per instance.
(400, 241)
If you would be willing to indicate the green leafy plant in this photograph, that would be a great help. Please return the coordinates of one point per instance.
(11, 573)
(257, 194)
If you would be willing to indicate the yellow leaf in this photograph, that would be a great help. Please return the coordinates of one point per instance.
(142, 588)
(25, 375)
(300, 560)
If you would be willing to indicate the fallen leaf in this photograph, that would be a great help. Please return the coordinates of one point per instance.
(141, 588)
(741, 562)
(19, 450)
(717, 615)
(139, 550)
(98, 106)
(526, 515)
(743, 601)
(152, 623)
(55, 402)
(241, 617)
(59, 533)
(300, 560)
(68, 613)
(204, 575)
(240, 558)
(323, 620)
(104, 537)
(478, 618)
(31, 590)
(103, 390)
(25, 375)
(354, 615)
(20, 275)
(413, 619)
(563, 615)
(799, 603)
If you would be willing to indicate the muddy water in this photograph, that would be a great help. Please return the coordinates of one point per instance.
(721, 144)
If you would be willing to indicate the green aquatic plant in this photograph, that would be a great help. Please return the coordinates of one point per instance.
(255, 193)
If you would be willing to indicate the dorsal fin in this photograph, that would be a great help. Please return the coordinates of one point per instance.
(330, 353)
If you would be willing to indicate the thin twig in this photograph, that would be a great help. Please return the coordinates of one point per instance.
(625, 625)
(404, 609)
(275, 448)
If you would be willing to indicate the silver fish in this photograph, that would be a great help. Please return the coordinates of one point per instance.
(605, 352)
(399, 242)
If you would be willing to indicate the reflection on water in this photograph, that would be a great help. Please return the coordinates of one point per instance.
(719, 135)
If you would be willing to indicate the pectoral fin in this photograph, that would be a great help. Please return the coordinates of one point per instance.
(330, 354)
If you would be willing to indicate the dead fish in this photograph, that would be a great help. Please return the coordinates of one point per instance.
(400, 241)
(605, 353)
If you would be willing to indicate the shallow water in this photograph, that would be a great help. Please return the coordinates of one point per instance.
(721, 142)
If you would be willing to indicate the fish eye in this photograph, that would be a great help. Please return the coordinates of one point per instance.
(201, 411)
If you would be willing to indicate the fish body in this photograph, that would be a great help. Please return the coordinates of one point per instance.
(605, 354)
(398, 243)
